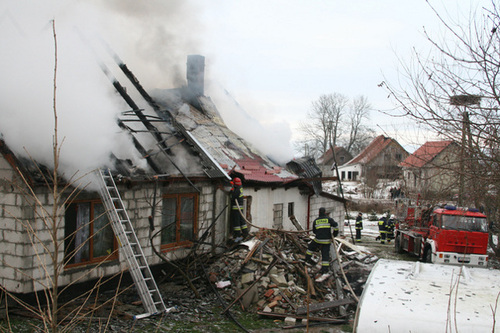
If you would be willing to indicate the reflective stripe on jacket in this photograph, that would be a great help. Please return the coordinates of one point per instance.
(322, 228)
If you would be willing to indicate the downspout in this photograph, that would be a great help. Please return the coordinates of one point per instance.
(214, 206)
(309, 211)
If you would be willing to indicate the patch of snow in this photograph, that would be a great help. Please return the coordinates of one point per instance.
(402, 296)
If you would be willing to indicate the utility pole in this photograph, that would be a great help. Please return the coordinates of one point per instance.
(466, 144)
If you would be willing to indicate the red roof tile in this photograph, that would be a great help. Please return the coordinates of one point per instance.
(425, 154)
(253, 170)
(374, 148)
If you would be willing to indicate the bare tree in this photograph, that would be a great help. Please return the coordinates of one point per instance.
(360, 135)
(333, 120)
(453, 92)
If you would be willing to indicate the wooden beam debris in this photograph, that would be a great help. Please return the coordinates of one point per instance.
(319, 319)
(325, 305)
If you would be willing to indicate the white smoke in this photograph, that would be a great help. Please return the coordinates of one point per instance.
(153, 38)
(271, 138)
(86, 103)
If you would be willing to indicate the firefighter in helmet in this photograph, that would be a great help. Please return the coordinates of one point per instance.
(391, 225)
(382, 229)
(359, 227)
(322, 229)
(240, 229)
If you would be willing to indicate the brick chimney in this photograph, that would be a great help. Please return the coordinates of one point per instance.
(195, 74)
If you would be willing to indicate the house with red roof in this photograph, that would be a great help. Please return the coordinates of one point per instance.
(379, 160)
(338, 155)
(431, 169)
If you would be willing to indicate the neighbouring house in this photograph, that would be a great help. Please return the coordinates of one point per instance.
(432, 169)
(379, 160)
(328, 159)
(176, 194)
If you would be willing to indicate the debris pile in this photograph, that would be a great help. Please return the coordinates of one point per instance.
(267, 275)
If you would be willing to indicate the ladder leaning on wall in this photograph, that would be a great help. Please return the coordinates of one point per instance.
(124, 232)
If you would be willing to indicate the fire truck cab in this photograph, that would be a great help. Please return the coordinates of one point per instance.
(447, 235)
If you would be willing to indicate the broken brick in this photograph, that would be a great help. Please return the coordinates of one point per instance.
(269, 293)
(273, 304)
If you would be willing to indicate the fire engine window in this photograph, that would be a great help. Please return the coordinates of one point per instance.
(465, 223)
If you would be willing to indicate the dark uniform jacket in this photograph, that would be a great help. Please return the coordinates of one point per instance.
(359, 223)
(237, 194)
(322, 228)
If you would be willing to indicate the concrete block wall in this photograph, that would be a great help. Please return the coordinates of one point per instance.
(24, 259)
(336, 209)
(39, 245)
(13, 234)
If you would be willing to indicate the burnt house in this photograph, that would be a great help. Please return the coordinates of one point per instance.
(173, 197)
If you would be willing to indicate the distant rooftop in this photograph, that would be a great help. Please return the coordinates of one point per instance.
(425, 154)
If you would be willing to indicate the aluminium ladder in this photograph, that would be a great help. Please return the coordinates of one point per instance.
(124, 232)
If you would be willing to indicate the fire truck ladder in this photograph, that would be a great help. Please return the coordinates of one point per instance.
(122, 227)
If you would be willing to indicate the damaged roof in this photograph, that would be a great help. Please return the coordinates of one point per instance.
(234, 154)
(180, 133)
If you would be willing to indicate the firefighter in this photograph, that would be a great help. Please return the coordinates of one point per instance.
(322, 229)
(359, 227)
(391, 225)
(382, 229)
(240, 229)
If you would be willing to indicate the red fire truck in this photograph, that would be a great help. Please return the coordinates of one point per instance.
(447, 235)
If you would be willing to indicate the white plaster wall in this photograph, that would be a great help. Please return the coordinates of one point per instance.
(351, 168)
(264, 199)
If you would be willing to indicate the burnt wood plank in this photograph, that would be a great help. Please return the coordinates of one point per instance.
(325, 305)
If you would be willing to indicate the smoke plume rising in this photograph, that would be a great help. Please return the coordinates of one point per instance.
(153, 38)
(87, 105)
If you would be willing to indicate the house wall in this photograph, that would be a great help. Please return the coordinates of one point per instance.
(350, 168)
(14, 257)
(25, 259)
(335, 209)
(138, 202)
(264, 199)
(386, 162)
(437, 177)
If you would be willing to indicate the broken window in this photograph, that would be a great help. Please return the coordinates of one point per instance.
(278, 216)
(88, 236)
(179, 219)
